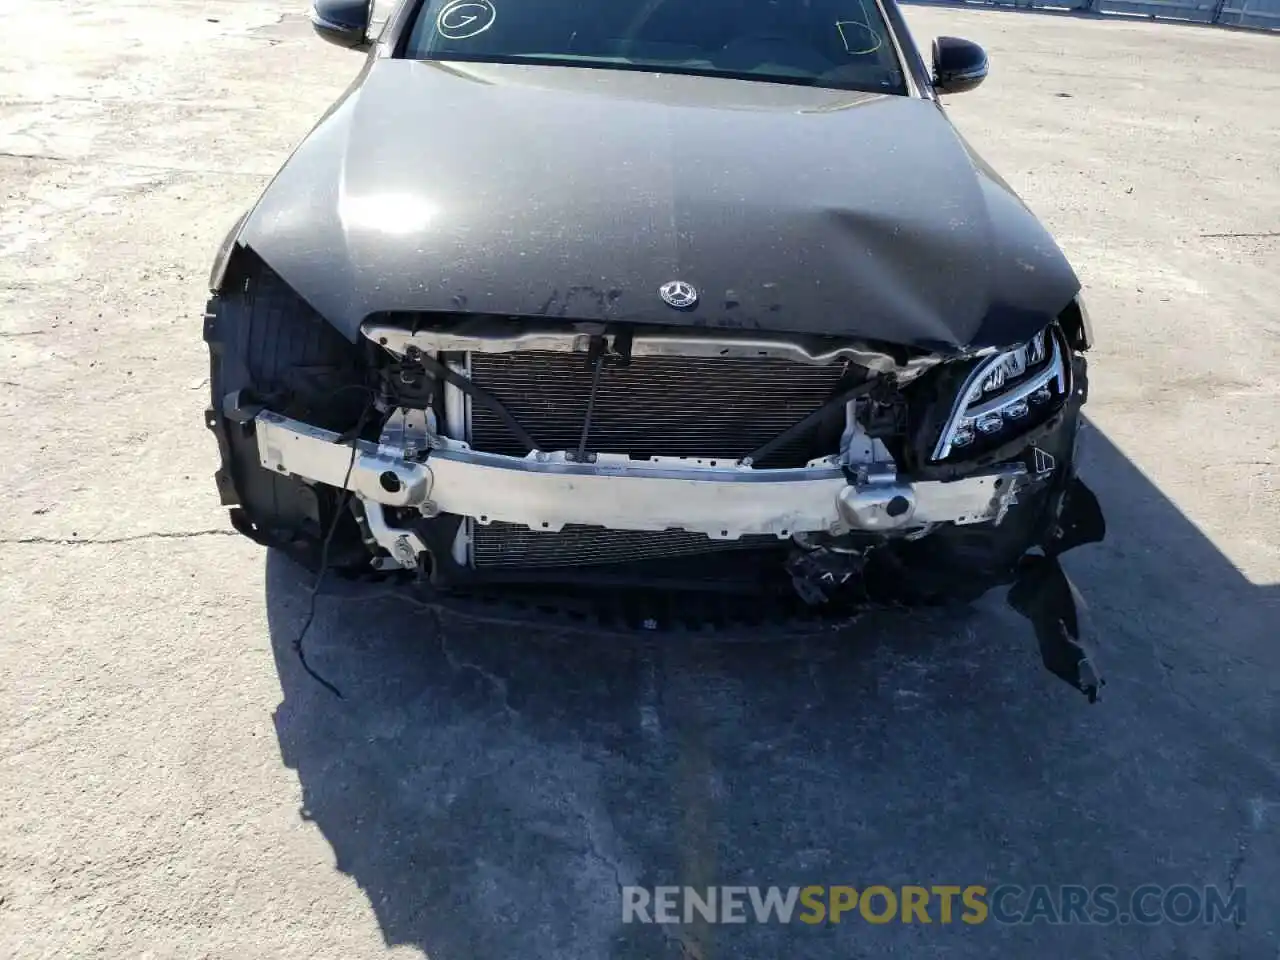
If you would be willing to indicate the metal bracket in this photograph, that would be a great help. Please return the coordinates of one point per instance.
(403, 545)
(1045, 463)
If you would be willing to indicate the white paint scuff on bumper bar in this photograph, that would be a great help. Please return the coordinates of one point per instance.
(726, 501)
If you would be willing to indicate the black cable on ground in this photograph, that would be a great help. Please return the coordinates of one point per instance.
(324, 558)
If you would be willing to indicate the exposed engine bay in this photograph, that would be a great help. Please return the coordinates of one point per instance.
(554, 457)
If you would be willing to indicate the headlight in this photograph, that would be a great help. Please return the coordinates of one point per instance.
(1014, 389)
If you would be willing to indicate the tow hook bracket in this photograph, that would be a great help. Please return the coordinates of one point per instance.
(1045, 595)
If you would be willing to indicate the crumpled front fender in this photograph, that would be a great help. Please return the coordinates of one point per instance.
(226, 252)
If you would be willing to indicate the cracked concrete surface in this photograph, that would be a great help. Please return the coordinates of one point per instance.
(74, 541)
(173, 785)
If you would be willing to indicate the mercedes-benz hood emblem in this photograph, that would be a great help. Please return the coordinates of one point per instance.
(679, 294)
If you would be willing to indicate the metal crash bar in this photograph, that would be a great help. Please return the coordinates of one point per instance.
(546, 491)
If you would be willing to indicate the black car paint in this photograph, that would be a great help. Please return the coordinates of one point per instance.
(407, 203)
(343, 22)
(958, 65)
(576, 193)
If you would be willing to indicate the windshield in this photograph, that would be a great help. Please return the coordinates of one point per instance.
(843, 44)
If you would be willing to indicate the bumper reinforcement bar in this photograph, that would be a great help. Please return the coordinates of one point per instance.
(546, 491)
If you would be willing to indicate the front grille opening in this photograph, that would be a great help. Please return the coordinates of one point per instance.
(513, 545)
(657, 406)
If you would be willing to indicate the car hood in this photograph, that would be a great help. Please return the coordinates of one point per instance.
(577, 193)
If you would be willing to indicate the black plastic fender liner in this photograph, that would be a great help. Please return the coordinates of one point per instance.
(267, 348)
(1080, 520)
(1045, 595)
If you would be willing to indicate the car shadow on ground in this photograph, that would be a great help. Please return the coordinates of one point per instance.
(491, 791)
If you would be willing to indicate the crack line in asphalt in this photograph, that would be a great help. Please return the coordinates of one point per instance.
(1233, 874)
(133, 538)
(498, 683)
(593, 849)
(1239, 236)
(688, 950)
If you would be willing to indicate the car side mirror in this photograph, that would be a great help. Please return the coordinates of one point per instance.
(343, 22)
(958, 65)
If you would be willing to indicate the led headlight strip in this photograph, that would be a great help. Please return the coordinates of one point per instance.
(981, 409)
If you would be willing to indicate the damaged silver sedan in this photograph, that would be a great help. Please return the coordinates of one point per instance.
(687, 373)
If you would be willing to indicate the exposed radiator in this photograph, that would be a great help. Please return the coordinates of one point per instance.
(511, 545)
(657, 406)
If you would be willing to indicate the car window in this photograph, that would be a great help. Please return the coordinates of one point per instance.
(834, 43)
